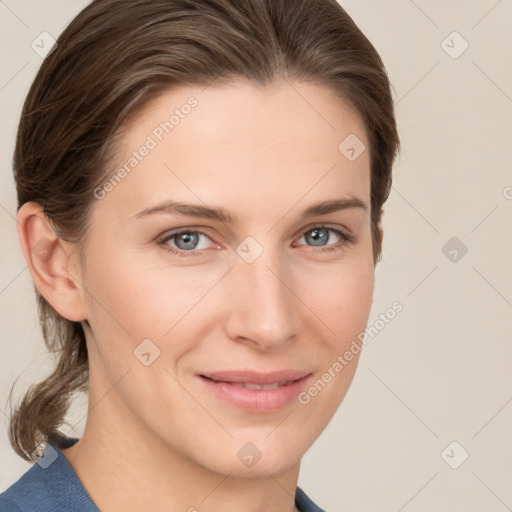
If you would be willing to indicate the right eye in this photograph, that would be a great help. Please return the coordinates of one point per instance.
(185, 242)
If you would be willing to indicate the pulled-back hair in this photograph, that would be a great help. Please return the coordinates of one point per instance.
(115, 57)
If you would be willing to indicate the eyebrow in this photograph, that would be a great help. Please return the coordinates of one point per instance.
(222, 215)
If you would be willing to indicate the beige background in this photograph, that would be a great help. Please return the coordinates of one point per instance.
(440, 371)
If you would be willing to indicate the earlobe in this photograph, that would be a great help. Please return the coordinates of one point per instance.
(50, 261)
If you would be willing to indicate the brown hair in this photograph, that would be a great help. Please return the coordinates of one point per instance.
(115, 57)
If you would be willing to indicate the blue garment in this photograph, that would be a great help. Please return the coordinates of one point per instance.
(51, 485)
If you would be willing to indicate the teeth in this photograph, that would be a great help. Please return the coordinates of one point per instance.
(249, 385)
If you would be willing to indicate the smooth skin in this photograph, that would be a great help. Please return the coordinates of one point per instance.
(155, 437)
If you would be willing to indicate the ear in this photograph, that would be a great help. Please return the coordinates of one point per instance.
(52, 262)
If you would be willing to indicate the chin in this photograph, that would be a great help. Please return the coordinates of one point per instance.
(262, 469)
(251, 460)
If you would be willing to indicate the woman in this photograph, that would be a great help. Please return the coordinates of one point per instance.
(200, 188)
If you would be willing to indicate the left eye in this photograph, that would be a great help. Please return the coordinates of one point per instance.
(320, 235)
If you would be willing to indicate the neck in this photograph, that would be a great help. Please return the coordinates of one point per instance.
(124, 468)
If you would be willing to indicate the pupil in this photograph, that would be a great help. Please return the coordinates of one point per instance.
(189, 239)
(319, 235)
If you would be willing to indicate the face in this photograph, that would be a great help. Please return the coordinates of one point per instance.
(193, 308)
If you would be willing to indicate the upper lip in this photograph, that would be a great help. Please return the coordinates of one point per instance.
(256, 377)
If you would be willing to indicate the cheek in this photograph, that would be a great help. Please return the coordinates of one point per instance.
(136, 298)
(132, 301)
(342, 299)
(341, 307)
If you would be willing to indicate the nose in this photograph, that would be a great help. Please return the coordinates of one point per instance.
(262, 306)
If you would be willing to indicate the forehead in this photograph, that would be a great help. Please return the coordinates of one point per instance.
(242, 145)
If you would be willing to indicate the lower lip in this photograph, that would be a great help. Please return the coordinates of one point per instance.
(256, 400)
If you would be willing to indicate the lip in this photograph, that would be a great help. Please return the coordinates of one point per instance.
(223, 385)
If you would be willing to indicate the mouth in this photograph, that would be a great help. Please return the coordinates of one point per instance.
(256, 392)
(254, 385)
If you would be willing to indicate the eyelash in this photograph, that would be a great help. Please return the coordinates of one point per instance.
(346, 238)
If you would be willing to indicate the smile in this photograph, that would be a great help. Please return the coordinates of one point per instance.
(256, 392)
(250, 385)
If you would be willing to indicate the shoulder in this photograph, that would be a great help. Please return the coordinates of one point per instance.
(25, 493)
(304, 503)
(49, 485)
